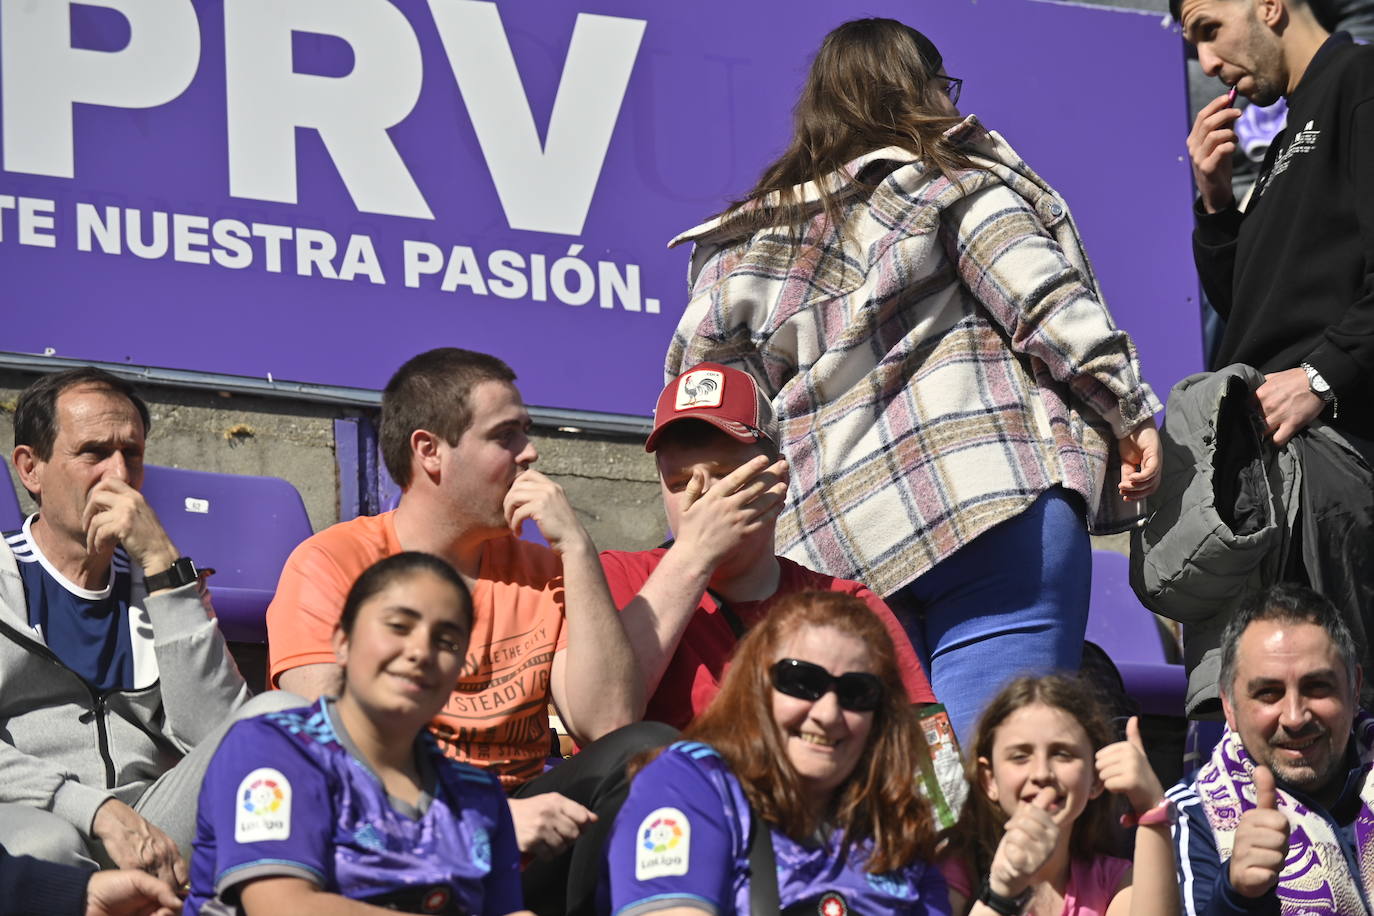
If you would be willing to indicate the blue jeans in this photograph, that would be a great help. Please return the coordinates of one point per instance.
(1013, 601)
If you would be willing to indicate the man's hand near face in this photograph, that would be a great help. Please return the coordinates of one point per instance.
(717, 519)
(1211, 143)
(535, 497)
(714, 523)
(117, 514)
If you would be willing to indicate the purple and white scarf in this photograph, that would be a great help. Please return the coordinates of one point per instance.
(1315, 878)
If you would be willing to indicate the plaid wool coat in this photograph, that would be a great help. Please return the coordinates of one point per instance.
(936, 362)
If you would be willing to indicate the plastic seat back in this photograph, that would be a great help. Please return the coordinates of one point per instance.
(244, 527)
(1128, 632)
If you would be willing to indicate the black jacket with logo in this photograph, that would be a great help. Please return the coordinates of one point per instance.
(1294, 274)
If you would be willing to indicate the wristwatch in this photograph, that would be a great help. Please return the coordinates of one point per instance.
(1005, 906)
(1320, 387)
(181, 572)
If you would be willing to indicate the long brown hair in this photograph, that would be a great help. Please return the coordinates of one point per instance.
(871, 85)
(974, 837)
(880, 799)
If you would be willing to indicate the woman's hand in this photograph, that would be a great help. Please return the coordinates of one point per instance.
(1141, 461)
(1026, 846)
(1124, 770)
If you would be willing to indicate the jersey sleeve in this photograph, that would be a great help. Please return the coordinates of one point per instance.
(268, 806)
(1203, 879)
(673, 843)
(307, 605)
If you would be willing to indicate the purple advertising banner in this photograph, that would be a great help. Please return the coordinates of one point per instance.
(316, 190)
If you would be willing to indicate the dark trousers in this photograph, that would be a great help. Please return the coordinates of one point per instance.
(595, 777)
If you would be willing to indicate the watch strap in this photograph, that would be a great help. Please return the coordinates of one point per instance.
(182, 572)
(1321, 388)
(1005, 906)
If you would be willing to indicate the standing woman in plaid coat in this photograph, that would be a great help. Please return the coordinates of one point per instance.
(956, 405)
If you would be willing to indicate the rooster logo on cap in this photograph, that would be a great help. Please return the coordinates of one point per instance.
(699, 392)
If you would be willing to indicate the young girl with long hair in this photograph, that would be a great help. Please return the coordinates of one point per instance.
(349, 805)
(1035, 835)
(811, 740)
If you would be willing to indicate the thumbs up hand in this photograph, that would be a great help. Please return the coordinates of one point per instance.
(1124, 769)
(1261, 840)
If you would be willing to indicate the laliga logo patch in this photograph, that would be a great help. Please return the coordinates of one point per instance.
(702, 388)
(665, 839)
(264, 807)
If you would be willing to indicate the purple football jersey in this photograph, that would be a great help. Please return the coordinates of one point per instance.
(287, 794)
(682, 839)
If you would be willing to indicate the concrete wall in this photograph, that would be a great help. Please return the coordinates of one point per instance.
(611, 481)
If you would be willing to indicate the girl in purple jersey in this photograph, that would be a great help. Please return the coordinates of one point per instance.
(349, 806)
(1035, 835)
(812, 735)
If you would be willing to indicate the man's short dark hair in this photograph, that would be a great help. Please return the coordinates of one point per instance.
(1284, 603)
(432, 391)
(35, 416)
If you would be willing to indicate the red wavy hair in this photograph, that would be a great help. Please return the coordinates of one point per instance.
(880, 799)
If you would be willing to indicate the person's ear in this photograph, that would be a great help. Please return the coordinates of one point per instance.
(339, 640)
(986, 780)
(426, 452)
(27, 463)
(1271, 12)
(1229, 710)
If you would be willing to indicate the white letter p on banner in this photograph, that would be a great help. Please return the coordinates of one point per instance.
(42, 74)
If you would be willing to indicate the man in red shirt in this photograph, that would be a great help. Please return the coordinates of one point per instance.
(685, 606)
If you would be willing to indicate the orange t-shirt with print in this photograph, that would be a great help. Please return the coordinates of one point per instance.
(497, 717)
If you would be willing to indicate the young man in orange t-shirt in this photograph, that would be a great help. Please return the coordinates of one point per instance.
(455, 437)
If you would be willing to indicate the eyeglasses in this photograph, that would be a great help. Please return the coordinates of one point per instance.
(953, 86)
(856, 691)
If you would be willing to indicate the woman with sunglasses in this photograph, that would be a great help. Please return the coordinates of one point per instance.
(810, 740)
(953, 397)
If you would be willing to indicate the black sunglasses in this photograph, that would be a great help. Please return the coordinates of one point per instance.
(856, 691)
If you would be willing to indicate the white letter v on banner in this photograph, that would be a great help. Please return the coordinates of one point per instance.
(544, 188)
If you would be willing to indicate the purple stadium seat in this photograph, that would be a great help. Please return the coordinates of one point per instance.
(11, 518)
(243, 527)
(1127, 631)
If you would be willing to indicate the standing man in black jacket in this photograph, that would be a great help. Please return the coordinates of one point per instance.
(1294, 274)
(1292, 270)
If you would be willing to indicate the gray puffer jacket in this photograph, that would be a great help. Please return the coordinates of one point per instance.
(1234, 513)
(1222, 520)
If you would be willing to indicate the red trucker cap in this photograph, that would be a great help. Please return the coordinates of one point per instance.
(728, 399)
